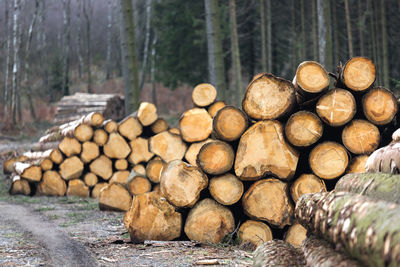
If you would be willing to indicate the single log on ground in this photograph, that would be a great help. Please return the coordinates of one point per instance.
(83, 132)
(97, 189)
(151, 217)
(319, 252)
(358, 74)
(295, 235)
(46, 164)
(121, 164)
(229, 123)
(154, 168)
(140, 151)
(130, 127)
(70, 146)
(204, 94)
(147, 113)
(385, 159)
(303, 129)
(311, 78)
(175, 131)
(182, 183)
(110, 126)
(56, 156)
(140, 169)
(77, 187)
(216, 157)
(138, 185)
(115, 197)
(160, 125)
(361, 137)
(268, 97)
(357, 164)
(277, 253)
(328, 160)
(195, 125)
(100, 137)
(90, 179)
(102, 166)
(213, 108)
(209, 222)
(28, 171)
(262, 150)
(71, 168)
(116, 147)
(193, 151)
(305, 184)
(227, 189)
(337, 107)
(167, 146)
(8, 165)
(120, 177)
(268, 200)
(20, 186)
(379, 106)
(90, 151)
(367, 229)
(255, 232)
(51, 185)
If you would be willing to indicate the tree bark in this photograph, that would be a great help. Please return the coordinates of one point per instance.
(385, 56)
(269, 35)
(237, 70)
(146, 44)
(87, 12)
(361, 22)
(277, 253)
(15, 73)
(7, 62)
(303, 31)
(348, 27)
(66, 43)
(314, 29)
(78, 39)
(263, 37)
(212, 74)
(110, 20)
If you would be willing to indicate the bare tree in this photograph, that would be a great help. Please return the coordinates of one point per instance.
(16, 46)
(87, 12)
(314, 16)
(302, 30)
(237, 70)
(263, 37)
(152, 69)
(212, 73)
(78, 39)
(384, 46)
(7, 63)
(324, 33)
(146, 43)
(109, 37)
(42, 42)
(348, 24)
(269, 36)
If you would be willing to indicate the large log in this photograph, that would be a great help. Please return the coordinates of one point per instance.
(8, 165)
(195, 125)
(77, 187)
(90, 151)
(116, 147)
(227, 189)
(277, 253)
(51, 185)
(100, 137)
(305, 184)
(311, 79)
(361, 137)
(102, 166)
(358, 74)
(154, 169)
(147, 113)
(20, 186)
(70, 146)
(160, 125)
(229, 123)
(204, 94)
(216, 157)
(130, 127)
(30, 172)
(120, 177)
(97, 189)
(115, 197)
(193, 151)
(167, 146)
(71, 168)
(303, 129)
(385, 159)
(379, 106)
(254, 232)
(295, 235)
(140, 151)
(138, 185)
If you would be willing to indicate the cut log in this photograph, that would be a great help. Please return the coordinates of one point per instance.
(160, 125)
(8, 165)
(361, 137)
(357, 164)
(90, 151)
(262, 150)
(328, 160)
(138, 185)
(153, 170)
(78, 188)
(204, 94)
(44, 146)
(20, 186)
(175, 131)
(83, 132)
(32, 156)
(358, 74)
(303, 129)
(120, 177)
(94, 119)
(140, 151)
(227, 189)
(277, 253)
(182, 183)
(268, 200)
(28, 171)
(193, 151)
(254, 232)
(130, 127)
(167, 146)
(121, 164)
(337, 107)
(56, 156)
(51, 185)
(102, 166)
(46, 164)
(110, 126)
(209, 222)
(147, 113)
(151, 217)
(385, 159)
(295, 235)
(379, 106)
(71, 168)
(216, 157)
(229, 123)
(115, 197)
(140, 169)
(100, 137)
(195, 125)
(396, 135)
(90, 179)
(305, 184)
(214, 107)
(157, 189)
(97, 189)
(311, 78)
(356, 223)
(70, 146)
(268, 97)
(116, 147)
(22, 158)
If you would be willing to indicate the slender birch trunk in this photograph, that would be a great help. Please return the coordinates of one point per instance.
(15, 72)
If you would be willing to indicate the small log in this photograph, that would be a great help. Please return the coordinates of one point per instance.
(22, 158)
(121, 164)
(110, 126)
(138, 185)
(90, 179)
(94, 119)
(305, 184)
(160, 125)
(83, 132)
(102, 166)
(78, 188)
(379, 106)
(277, 253)
(214, 107)
(358, 74)
(115, 197)
(71, 168)
(268, 97)
(140, 151)
(70, 146)
(175, 131)
(337, 107)
(147, 113)
(51, 185)
(182, 183)
(328, 160)
(56, 156)
(303, 129)
(227, 189)
(216, 157)
(151, 217)
(268, 200)
(295, 235)
(254, 232)
(130, 127)
(167, 146)
(46, 164)
(20, 186)
(195, 125)
(44, 146)
(209, 222)
(193, 151)
(8, 165)
(140, 169)
(100, 137)
(204, 94)
(90, 151)
(357, 164)
(120, 177)
(28, 171)
(386, 159)
(116, 147)
(97, 189)
(154, 168)
(229, 123)
(311, 78)
(361, 137)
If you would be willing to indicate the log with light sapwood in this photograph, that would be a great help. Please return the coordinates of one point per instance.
(361, 137)
(167, 146)
(115, 197)
(140, 169)
(268, 97)
(263, 150)
(195, 125)
(209, 222)
(20, 186)
(214, 107)
(357, 164)
(254, 232)
(151, 217)
(337, 107)
(90, 151)
(193, 151)
(319, 252)
(56, 156)
(358, 74)
(303, 129)
(367, 229)
(30, 172)
(160, 125)
(227, 189)
(229, 123)
(277, 253)
(379, 105)
(386, 159)
(328, 160)
(396, 136)
(83, 132)
(295, 235)
(97, 189)
(153, 170)
(216, 157)
(44, 146)
(46, 164)
(121, 164)
(130, 127)
(182, 183)
(116, 147)
(70, 146)
(311, 79)
(138, 184)
(37, 155)
(90, 179)
(22, 158)
(268, 200)
(140, 151)
(8, 165)
(71, 168)
(147, 113)
(110, 126)
(102, 167)
(77, 187)
(204, 94)
(305, 184)
(157, 189)
(51, 185)
(100, 137)
(120, 177)
(175, 131)
(94, 119)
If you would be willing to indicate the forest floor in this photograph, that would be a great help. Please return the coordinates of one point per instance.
(70, 231)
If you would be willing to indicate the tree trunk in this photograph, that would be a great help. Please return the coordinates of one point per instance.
(212, 74)
(321, 32)
(109, 37)
(147, 113)
(90, 151)
(71, 168)
(28, 171)
(303, 49)
(385, 56)
(237, 70)
(66, 44)
(102, 166)
(146, 44)
(140, 151)
(295, 235)
(78, 39)
(19, 186)
(361, 22)
(385, 160)
(15, 73)
(277, 253)
(87, 12)
(69, 146)
(269, 35)
(160, 125)
(315, 29)
(51, 185)
(348, 27)
(116, 147)
(78, 188)
(7, 62)
(154, 169)
(130, 127)
(152, 70)
(263, 37)
(193, 151)
(138, 185)
(336, 41)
